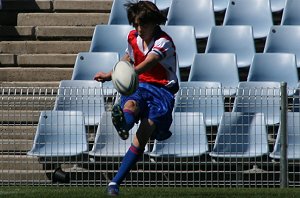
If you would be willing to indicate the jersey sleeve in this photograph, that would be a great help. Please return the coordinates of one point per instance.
(163, 48)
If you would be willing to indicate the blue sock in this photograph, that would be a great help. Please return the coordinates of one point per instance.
(131, 157)
(129, 118)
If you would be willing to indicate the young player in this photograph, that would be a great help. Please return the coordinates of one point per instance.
(153, 54)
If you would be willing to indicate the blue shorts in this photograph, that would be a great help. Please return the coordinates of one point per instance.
(155, 103)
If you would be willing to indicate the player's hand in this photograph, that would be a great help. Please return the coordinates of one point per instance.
(102, 76)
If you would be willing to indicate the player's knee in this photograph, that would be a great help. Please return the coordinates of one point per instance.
(131, 105)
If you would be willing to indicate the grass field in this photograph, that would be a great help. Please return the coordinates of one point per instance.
(133, 192)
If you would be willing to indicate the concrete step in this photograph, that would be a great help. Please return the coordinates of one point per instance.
(25, 176)
(29, 102)
(57, 5)
(29, 76)
(62, 60)
(44, 47)
(27, 5)
(82, 5)
(15, 146)
(62, 19)
(17, 132)
(20, 162)
(61, 32)
(31, 86)
(8, 59)
(28, 117)
(14, 32)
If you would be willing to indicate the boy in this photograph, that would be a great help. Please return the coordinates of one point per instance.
(153, 54)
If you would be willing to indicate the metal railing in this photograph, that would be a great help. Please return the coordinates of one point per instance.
(240, 150)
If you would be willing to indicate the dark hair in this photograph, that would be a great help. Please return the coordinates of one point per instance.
(145, 12)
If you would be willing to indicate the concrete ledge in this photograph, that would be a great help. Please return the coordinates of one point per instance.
(44, 47)
(8, 59)
(17, 132)
(16, 145)
(26, 102)
(27, 5)
(20, 162)
(83, 5)
(16, 31)
(17, 117)
(22, 75)
(42, 87)
(26, 176)
(66, 60)
(50, 32)
(62, 19)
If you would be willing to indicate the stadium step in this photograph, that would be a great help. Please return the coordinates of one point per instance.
(54, 19)
(19, 117)
(33, 76)
(17, 132)
(20, 162)
(43, 47)
(15, 146)
(57, 5)
(63, 60)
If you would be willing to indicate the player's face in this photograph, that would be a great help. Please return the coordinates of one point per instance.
(145, 31)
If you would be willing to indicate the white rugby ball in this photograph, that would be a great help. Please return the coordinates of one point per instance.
(124, 78)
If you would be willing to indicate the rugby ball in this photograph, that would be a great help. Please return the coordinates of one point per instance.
(124, 78)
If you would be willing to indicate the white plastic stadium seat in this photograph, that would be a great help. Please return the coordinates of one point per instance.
(259, 97)
(237, 39)
(87, 64)
(256, 13)
(110, 38)
(197, 13)
(279, 67)
(107, 141)
(60, 134)
(219, 67)
(293, 138)
(185, 42)
(188, 137)
(241, 135)
(81, 95)
(201, 96)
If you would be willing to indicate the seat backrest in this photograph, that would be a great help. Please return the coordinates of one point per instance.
(110, 38)
(81, 95)
(60, 134)
(291, 15)
(185, 43)
(284, 39)
(107, 141)
(220, 5)
(293, 138)
(188, 137)
(277, 5)
(259, 97)
(87, 64)
(236, 39)
(280, 67)
(201, 96)
(118, 14)
(256, 13)
(241, 135)
(163, 4)
(219, 67)
(197, 13)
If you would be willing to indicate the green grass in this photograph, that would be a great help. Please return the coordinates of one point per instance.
(135, 192)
